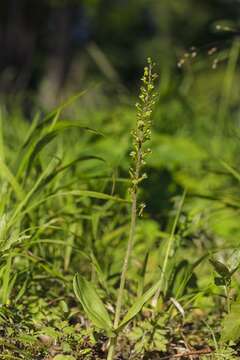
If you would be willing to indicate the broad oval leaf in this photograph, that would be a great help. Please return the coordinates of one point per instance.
(92, 304)
(137, 306)
(220, 268)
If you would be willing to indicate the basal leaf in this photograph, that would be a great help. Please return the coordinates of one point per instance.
(137, 306)
(92, 304)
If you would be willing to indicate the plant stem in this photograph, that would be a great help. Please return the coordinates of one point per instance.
(226, 288)
(112, 345)
(111, 349)
(126, 260)
(141, 134)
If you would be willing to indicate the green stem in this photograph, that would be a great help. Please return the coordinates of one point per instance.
(226, 288)
(113, 341)
(126, 260)
(111, 349)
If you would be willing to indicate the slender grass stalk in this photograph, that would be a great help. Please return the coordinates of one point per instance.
(141, 134)
(227, 87)
(168, 250)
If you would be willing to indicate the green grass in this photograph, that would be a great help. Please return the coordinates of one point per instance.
(65, 209)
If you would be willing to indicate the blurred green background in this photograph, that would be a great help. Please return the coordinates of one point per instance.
(54, 49)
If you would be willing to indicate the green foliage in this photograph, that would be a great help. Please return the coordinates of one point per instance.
(149, 336)
(224, 352)
(65, 209)
(138, 304)
(231, 324)
(223, 272)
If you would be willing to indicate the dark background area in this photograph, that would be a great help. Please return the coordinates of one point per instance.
(72, 41)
